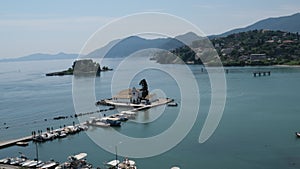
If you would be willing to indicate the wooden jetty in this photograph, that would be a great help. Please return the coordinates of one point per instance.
(262, 73)
(159, 102)
(8, 143)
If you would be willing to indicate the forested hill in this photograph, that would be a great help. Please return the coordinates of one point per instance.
(259, 47)
(289, 23)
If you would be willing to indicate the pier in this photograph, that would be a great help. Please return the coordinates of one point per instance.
(108, 102)
(153, 104)
(8, 143)
(75, 128)
(262, 73)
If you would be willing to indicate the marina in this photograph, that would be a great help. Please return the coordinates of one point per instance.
(77, 161)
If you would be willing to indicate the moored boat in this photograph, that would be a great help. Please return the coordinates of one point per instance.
(62, 134)
(114, 123)
(172, 104)
(48, 165)
(125, 164)
(27, 163)
(22, 143)
(75, 161)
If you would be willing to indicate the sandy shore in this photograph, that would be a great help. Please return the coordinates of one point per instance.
(287, 66)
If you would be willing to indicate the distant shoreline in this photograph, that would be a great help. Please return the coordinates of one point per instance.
(298, 66)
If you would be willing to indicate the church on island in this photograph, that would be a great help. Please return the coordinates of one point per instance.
(137, 98)
(134, 95)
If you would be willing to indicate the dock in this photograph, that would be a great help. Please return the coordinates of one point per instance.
(159, 102)
(141, 106)
(8, 143)
(67, 129)
(262, 73)
(137, 107)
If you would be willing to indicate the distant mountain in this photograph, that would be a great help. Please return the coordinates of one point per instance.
(42, 56)
(188, 38)
(117, 48)
(129, 45)
(285, 23)
(102, 51)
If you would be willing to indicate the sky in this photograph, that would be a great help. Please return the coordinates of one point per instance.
(53, 26)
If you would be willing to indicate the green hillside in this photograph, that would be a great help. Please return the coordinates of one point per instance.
(259, 47)
(256, 47)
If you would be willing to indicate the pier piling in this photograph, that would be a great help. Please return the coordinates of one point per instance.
(262, 73)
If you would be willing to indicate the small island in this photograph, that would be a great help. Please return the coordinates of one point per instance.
(138, 99)
(82, 67)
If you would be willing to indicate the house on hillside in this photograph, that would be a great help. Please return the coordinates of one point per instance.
(226, 51)
(258, 57)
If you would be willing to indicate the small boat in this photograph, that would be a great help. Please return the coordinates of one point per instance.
(80, 156)
(172, 104)
(27, 163)
(113, 163)
(35, 163)
(98, 122)
(298, 134)
(114, 123)
(125, 164)
(128, 112)
(62, 134)
(127, 116)
(50, 164)
(22, 143)
(3, 160)
(101, 124)
(175, 167)
(7, 160)
(83, 127)
(38, 138)
(17, 161)
(40, 165)
(119, 117)
(48, 136)
(76, 161)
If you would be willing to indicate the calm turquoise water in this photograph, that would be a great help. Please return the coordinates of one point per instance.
(256, 130)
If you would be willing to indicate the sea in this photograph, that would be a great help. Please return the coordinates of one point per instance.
(257, 128)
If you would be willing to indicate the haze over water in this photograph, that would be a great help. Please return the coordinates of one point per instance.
(256, 130)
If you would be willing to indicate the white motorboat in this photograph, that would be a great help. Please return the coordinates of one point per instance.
(22, 143)
(98, 122)
(27, 163)
(172, 104)
(101, 124)
(80, 156)
(113, 163)
(17, 161)
(3, 160)
(125, 164)
(62, 134)
(128, 112)
(50, 164)
(35, 163)
(48, 136)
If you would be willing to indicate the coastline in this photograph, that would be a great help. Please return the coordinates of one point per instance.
(295, 66)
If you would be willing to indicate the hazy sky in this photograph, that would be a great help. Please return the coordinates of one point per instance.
(53, 26)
